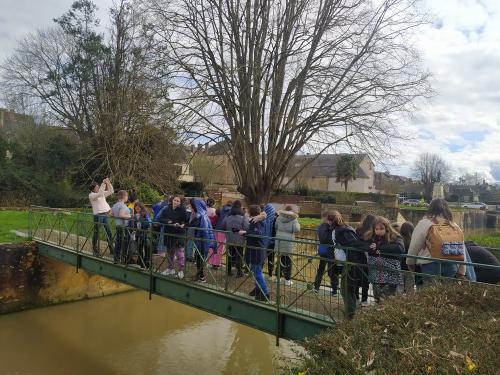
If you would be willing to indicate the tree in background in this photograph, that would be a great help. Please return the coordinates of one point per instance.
(346, 168)
(108, 89)
(469, 179)
(431, 168)
(270, 78)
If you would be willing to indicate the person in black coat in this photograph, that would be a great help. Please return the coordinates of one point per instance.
(327, 252)
(480, 255)
(345, 236)
(256, 251)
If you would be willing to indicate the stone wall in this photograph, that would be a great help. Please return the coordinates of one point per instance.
(28, 280)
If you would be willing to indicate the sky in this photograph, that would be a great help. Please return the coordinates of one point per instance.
(461, 49)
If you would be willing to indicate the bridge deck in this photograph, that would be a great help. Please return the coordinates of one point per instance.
(294, 311)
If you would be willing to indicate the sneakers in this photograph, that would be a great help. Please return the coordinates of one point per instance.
(168, 272)
(274, 279)
(262, 297)
(288, 282)
(180, 274)
(201, 279)
(365, 304)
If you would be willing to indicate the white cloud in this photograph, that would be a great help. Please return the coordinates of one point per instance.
(462, 123)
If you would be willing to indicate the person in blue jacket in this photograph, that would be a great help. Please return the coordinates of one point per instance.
(257, 251)
(203, 235)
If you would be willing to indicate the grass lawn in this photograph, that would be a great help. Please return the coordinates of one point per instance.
(491, 240)
(9, 220)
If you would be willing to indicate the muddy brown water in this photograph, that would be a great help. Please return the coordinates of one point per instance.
(128, 334)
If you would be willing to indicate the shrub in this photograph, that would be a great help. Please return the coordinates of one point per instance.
(148, 195)
(444, 329)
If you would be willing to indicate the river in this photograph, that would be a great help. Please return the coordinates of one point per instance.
(128, 334)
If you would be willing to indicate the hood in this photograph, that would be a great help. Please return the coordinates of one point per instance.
(287, 216)
(200, 206)
(270, 211)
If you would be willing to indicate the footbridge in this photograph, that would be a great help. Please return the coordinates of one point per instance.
(293, 310)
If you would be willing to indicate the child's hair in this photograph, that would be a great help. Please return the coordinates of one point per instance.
(122, 194)
(143, 209)
(288, 208)
(366, 228)
(254, 210)
(93, 185)
(191, 203)
(336, 218)
(132, 197)
(406, 232)
(390, 233)
(210, 202)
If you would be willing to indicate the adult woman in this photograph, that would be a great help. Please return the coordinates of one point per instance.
(438, 213)
(287, 225)
(174, 219)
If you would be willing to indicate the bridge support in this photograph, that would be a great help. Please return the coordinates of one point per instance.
(261, 316)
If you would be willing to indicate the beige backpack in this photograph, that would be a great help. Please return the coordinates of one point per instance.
(445, 240)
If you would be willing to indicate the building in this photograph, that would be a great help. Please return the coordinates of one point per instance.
(10, 119)
(319, 173)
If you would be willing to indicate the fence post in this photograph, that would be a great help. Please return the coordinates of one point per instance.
(150, 257)
(278, 294)
(30, 222)
(228, 267)
(78, 256)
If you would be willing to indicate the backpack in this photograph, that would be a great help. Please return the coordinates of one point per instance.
(445, 241)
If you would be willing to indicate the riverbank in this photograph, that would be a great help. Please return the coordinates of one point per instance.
(448, 328)
(29, 280)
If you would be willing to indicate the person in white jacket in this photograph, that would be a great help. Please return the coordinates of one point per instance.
(100, 209)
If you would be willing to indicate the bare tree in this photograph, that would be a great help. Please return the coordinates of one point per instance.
(273, 78)
(431, 168)
(475, 178)
(107, 88)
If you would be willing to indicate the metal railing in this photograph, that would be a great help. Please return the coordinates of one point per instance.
(292, 281)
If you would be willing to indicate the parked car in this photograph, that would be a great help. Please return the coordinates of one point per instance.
(412, 202)
(475, 205)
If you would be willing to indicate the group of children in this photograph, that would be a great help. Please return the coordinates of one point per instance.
(373, 253)
(375, 246)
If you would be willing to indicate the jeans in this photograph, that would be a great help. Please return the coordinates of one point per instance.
(259, 278)
(176, 253)
(101, 220)
(121, 243)
(447, 270)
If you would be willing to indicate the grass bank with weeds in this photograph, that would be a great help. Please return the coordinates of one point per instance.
(444, 329)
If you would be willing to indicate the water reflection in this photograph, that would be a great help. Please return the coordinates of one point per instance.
(127, 334)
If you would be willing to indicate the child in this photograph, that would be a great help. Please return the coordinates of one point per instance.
(215, 256)
(256, 251)
(345, 236)
(384, 272)
(287, 225)
(364, 232)
(406, 232)
(173, 220)
(327, 253)
(142, 222)
(203, 235)
(121, 213)
(233, 223)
